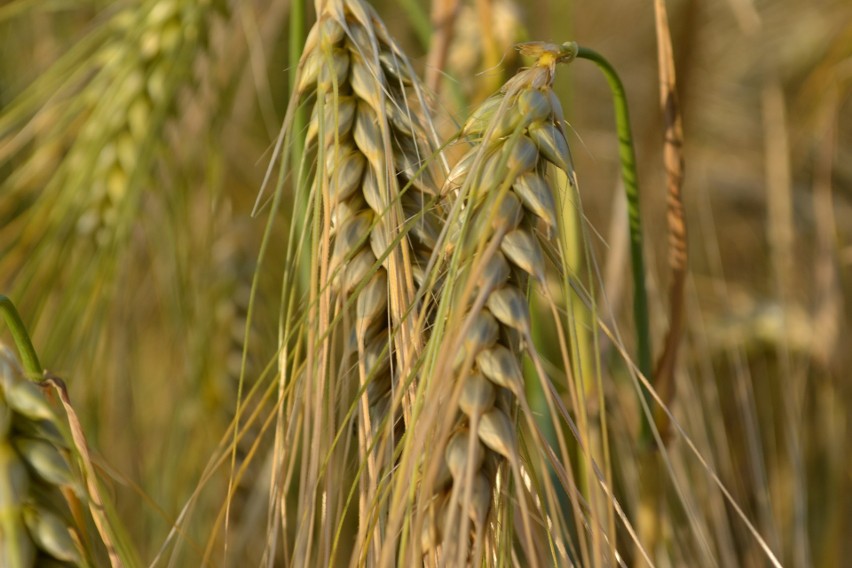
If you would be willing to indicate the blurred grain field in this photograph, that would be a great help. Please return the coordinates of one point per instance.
(134, 141)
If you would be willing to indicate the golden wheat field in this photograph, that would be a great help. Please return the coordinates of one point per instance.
(448, 283)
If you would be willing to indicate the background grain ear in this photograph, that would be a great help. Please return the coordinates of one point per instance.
(281, 342)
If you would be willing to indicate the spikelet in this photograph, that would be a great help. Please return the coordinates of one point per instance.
(504, 183)
(35, 524)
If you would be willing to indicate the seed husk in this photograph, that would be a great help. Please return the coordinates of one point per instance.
(373, 192)
(426, 230)
(334, 69)
(399, 119)
(457, 175)
(510, 307)
(495, 430)
(26, 398)
(537, 197)
(522, 249)
(352, 235)
(558, 115)
(478, 122)
(359, 39)
(338, 118)
(552, 145)
(357, 269)
(430, 535)
(494, 273)
(376, 356)
(368, 136)
(491, 176)
(522, 157)
(534, 105)
(312, 41)
(346, 209)
(40, 429)
(391, 64)
(45, 460)
(506, 124)
(480, 499)
(365, 83)
(508, 215)
(459, 459)
(415, 168)
(330, 32)
(372, 301)
(482, 333)
(443, 476)
(51, 534)
(477, 395)
(501, 366)
(379, 243)
(16, 547)
(348, 171)
(14, 481)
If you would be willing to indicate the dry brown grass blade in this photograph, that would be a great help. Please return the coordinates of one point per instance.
(443, 18)
(96, 504)
(673, 160)
(830, 308)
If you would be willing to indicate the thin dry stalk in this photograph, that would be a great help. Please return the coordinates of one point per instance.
(664, 380)
(444, 14)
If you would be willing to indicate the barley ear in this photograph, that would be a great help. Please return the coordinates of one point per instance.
(372, 173)
(507, 192)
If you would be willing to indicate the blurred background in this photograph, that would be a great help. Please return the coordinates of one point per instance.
(134, 140)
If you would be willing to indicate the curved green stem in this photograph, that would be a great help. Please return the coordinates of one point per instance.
(21, 337)
(419, 20)
(296, 42)
(297, 146)
(631, 188)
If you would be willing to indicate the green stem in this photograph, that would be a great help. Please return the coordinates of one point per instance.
(21, 337)
(297, 41)
(419, 20)
(631, 188)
